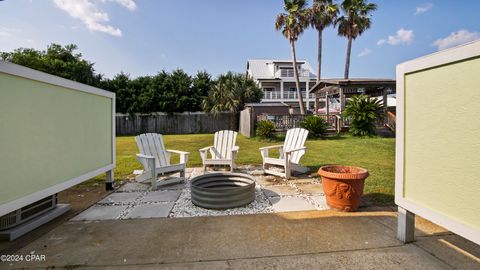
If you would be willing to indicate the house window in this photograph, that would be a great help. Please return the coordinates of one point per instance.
(286, 71)
(268, 89)
(293, 89)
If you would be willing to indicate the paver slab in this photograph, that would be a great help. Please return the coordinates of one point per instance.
(270, 180)
(289, 204)
(121, 198)
(100, 212)
(320, 201)
(150, 210)
(273, 191)
(162, 196)
(311, 189)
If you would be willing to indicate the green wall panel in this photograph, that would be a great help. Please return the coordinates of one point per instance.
(49, 134)
(442, 140)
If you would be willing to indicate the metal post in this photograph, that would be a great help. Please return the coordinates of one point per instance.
(109, 180)
(406, 225)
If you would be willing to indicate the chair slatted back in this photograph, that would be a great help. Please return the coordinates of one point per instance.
(295, 139)
(152, 144)
(223, 143)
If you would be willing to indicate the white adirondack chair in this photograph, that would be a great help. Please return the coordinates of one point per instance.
(156, 160)
(223, 151)
(290, 153)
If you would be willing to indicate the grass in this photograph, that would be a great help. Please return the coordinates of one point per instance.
(375, 154)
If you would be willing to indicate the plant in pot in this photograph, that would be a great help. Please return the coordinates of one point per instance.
(364, 112)
(343, 186)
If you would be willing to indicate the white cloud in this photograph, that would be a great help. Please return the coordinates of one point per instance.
(422, 9)
(91, 15)
(129, 4)
(456, 38)
(403, 36)
(365, 52)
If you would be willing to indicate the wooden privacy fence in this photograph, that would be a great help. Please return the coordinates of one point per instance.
(176, 123)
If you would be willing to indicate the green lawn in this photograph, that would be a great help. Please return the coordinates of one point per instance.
(375, 154)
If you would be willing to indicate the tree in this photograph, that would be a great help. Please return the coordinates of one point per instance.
(353, 23)
(230, 92)
(322, 14)
(364, 112)
(56, 60)
(201, 84)
(292, 24)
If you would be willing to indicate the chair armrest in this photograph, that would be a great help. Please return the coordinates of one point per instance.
(142, 156)
(183, 155)
(235, 149)
(270, 147)
(178, 152)
(205, 148)
(295, 150)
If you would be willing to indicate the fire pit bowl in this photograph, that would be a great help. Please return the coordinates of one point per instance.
(222, 190)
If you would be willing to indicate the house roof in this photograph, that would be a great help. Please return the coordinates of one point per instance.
(261, 68)
(327, 84)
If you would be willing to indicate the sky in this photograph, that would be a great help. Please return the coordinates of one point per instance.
(143, 37)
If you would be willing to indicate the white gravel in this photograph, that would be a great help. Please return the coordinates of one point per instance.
(185, 208)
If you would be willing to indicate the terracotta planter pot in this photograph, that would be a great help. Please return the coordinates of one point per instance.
(343, 186)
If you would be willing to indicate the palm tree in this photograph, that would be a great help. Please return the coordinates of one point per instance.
(230, 92)
(323, 14)
(353, 23)
(292, 24)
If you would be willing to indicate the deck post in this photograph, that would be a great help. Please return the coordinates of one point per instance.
(385, 106)
(281, 90)
(406, 225)
(316, 103)
(342, 100)
(307, 94)
(109, 180)
(327, 104)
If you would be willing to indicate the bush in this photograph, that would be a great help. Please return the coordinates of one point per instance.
(364, 112)
(265, 129)
(315, 125)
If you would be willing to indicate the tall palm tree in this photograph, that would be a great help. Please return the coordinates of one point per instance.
(353, 23)
(292, 24)
(322, 14)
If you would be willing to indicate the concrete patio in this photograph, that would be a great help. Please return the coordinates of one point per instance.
(294, 240)
(136, 228)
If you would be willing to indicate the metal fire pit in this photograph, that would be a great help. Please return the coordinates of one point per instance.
(222, 190)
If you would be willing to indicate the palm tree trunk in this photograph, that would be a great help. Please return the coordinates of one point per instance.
(297, 80)
(347, 63)
(319, 56)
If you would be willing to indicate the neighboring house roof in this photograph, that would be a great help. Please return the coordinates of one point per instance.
(264, 68)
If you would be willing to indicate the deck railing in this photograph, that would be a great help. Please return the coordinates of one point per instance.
(285, 122)
(286, 95)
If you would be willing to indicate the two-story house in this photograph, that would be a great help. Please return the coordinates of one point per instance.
(276, 79)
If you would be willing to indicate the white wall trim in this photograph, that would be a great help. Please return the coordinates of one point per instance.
(26, 200)
(36, 75)
(467, 51)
